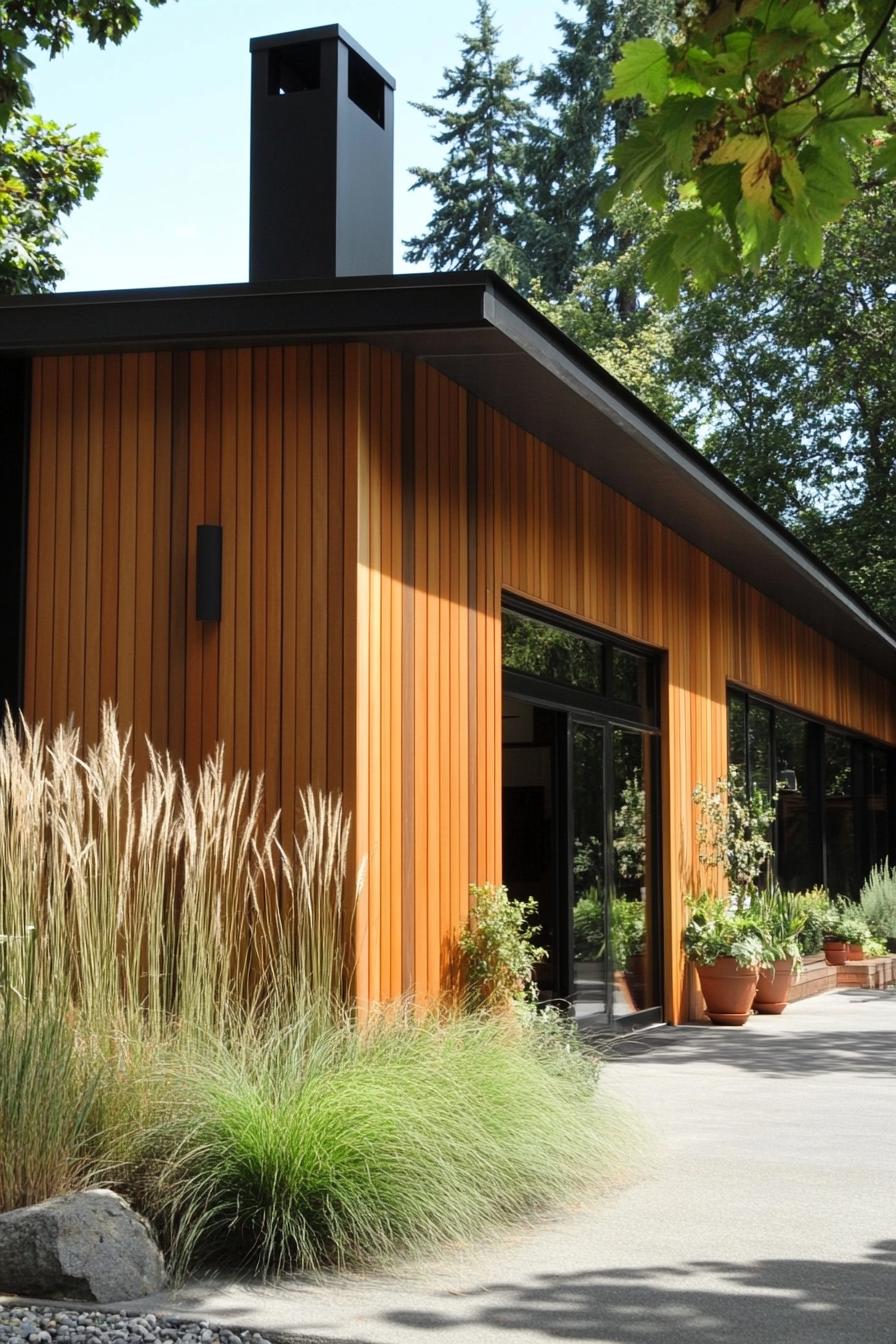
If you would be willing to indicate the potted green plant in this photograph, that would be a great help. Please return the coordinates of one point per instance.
(816, 905)
(855, 932)
(782, 916)
(728, 949)
(725, 939)
(836, 947)
(627, 941)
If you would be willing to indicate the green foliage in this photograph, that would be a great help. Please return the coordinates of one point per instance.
(588, 931)
(783, 916)
(627, 930)
(378, 1141)
(552, 148)
(45, 172)
(817, 913)
(878, 900)
(714, 931)
(51, 26)
(173, 1021)
(481, 115)
(133, 919)
(497, 947)
(548, 651)
(630, 829)
(732, 832)
(849, 924)
(50, 1119)
(754, 113)
(792, 393)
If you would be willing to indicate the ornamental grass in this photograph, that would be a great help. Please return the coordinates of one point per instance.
(175, 1021)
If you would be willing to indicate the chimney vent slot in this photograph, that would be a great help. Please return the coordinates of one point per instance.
(294, 69)
(366, 89)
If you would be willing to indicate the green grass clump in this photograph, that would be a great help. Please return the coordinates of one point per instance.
(175, 1020)
(371, 1141)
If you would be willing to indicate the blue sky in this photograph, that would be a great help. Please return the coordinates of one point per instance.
(172, 107)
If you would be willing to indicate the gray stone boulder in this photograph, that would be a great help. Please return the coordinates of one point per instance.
(90, 1246)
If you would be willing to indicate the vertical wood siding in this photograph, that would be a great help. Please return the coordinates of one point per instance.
(486, 509)
(129, 454)
(372, 516)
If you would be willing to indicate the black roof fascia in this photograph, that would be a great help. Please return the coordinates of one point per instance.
(143, 319)
(478, 330)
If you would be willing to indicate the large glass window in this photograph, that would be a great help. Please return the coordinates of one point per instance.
(552, 653)
(840, 839)
(834, 811)
(759, 746)
(797, 870)
(629, 677)
(877, 826)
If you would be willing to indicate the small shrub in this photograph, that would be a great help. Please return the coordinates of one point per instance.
(878, 898)
(588, 932)
(497, 948)
(816, 906)
(849, 924)
(374, 1142)
(733, 826)
(627, 930)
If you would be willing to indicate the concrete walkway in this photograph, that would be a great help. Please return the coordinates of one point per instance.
(767, 1212)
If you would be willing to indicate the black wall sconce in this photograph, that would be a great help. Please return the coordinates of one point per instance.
(208, 572)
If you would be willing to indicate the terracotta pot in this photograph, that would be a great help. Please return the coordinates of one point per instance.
(854, 952)
(835, 951)
(635, 974)
(625, 999)
(774, 982)
(729, 991)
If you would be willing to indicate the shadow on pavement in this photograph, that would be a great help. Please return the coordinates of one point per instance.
(806, 1051)
(764, 1302)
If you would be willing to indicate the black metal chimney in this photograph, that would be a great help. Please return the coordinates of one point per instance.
(321, 158)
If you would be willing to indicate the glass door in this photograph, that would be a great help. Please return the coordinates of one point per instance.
(580, 747)
(634, 937)
(591, 967)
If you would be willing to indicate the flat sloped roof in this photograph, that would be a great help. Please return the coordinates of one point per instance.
(476, 329)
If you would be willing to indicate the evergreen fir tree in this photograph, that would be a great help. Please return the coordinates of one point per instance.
(483, 118)
(567, 152)
(563, 172)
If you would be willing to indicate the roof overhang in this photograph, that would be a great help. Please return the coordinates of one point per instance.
(478, 331)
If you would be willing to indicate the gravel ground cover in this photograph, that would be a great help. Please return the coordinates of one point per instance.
(54, 1325)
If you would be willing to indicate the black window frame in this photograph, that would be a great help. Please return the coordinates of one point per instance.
(622, 712)
(861, 746)
(604, 711)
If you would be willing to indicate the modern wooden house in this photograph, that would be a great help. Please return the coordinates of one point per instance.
(398, 536)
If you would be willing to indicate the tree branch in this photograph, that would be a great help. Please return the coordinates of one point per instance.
(854, 63)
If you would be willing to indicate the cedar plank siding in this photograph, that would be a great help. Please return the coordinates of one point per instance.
(491, 509)
(128, 455)
(372, 515)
